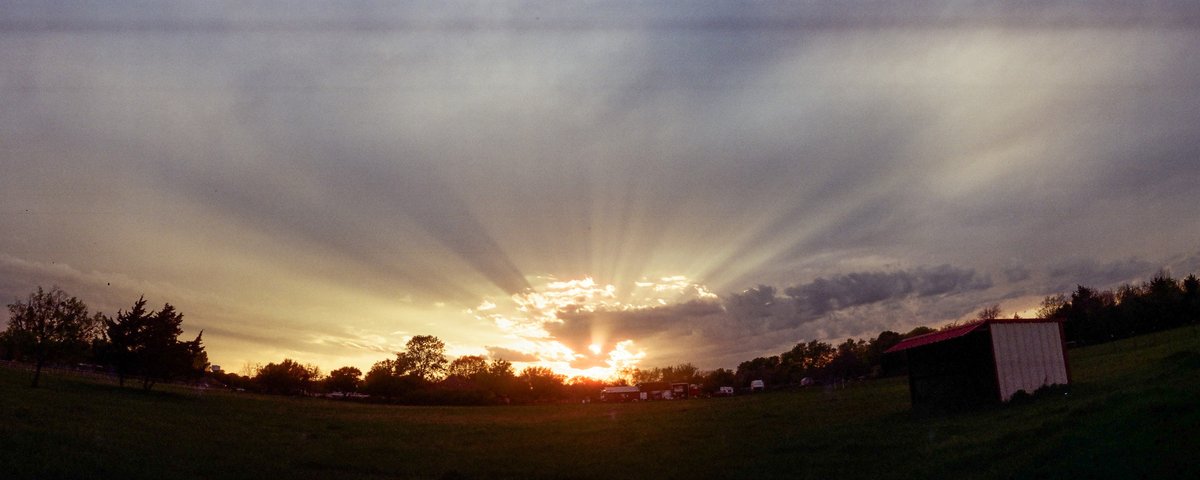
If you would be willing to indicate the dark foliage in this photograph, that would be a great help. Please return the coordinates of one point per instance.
(146, 345)
(816, 362)
(1091, 316)
(49, 326)
(288, 377)
(344, 380)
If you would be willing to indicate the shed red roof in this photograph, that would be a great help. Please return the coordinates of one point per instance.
(951, 333)
(934, 337)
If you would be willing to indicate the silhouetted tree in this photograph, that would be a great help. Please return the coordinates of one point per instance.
(50, 325)
(1130, 314)
(583, 388)
(989, 313)
(921, 330)
(1191, 298)
(500, 380)
(1093, 316)
(639, 376)
(147, 344)
(1086, 317)
(885, 340)
(288, 377)
(541, 383)
(345, 380)
(468, 367)
(714, 380)
(160, 354)
(235, 381)
(681, 373)
(383, 380)
(196, 357)
(124, 333)
(805, 360)
(1052, 306)
(424, 356)
(881, 364)
(1164, 302)
(761, 368)
(849, 360)
(8, 345)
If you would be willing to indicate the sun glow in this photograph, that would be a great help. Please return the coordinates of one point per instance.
(525, 317)
(623, 356)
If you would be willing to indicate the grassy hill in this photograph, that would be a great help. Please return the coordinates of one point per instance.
(1133, 411)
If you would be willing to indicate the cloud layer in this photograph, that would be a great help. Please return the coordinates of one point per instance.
(308, 179)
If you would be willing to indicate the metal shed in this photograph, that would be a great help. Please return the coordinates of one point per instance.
(984, 362)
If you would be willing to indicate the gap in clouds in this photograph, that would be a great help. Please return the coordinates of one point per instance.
(336, 173)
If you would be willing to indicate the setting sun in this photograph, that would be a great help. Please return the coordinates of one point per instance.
(581, 327)
(565, 203)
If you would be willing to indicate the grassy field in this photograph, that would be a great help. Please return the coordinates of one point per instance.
(1133, 411)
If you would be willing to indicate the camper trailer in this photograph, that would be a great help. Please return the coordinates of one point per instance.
(621, 393)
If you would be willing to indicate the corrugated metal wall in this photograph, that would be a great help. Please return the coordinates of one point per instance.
(1028, 356)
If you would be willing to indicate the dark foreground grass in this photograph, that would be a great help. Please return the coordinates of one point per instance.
(1133, 411)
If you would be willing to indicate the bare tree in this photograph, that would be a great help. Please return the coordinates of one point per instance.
(990, 313)
(1052, 306)
(50, 325)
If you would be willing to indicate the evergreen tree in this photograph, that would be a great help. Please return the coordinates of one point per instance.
(147, 344)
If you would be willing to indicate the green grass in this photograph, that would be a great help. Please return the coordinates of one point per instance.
(1131, 412)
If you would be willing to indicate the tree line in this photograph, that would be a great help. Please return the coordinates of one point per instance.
(422, 374)
(53, 327)
(136, 343)
(1095, 316)
(1089, 316)
(50, 327)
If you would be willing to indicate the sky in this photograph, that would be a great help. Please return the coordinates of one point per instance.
(591, 185)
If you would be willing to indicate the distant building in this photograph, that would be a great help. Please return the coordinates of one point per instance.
(214, 368)
(984, 362)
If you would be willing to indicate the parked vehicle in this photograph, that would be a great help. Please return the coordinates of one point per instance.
(620, 393)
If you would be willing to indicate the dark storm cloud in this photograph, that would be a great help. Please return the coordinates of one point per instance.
(131, 16)
(448, 151)
(1016, 274)
(577, 327)
(760, 316)
(756, 303)
(826, 294)
(1186, 264)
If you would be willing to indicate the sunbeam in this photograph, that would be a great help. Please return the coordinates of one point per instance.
(590, 188)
